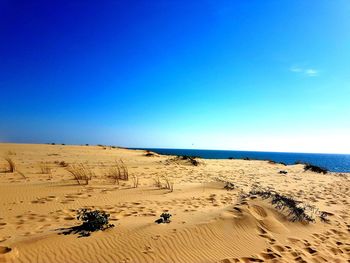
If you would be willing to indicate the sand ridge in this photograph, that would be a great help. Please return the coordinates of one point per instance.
(209, 223)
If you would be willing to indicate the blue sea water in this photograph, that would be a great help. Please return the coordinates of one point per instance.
(333, 162)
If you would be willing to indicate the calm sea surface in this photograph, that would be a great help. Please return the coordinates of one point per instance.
(333, 162)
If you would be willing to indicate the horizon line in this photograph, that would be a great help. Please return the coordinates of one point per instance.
(167, 148)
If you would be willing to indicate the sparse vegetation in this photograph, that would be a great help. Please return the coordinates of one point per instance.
(282, 172)
(149, 154)
(229, 186)
(45, 168)
(274, 162)
(157, 182)
(167, 183)
(164, 219)
(297, 210)
(119, 171)
(11, 165)
(315, 168)
(21, 174)
(81, 173)
(61, 163)
(135, 181)
(191, 159)
(93, 220)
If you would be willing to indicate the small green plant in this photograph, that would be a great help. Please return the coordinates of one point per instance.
(315, 168)
(93, 220)
(229, 186)
(164, 219)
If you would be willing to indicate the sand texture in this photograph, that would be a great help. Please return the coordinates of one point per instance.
(40, 199)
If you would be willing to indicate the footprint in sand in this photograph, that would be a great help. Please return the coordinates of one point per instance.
(4, 250)
(7, 254)
(257, 211)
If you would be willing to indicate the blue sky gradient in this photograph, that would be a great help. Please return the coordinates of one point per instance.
(240, 75)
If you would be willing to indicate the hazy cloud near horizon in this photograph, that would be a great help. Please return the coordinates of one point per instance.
(310, 72)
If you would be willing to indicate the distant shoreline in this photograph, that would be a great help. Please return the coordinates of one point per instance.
(332, 162)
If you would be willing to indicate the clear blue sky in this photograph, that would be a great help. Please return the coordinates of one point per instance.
(244, 75)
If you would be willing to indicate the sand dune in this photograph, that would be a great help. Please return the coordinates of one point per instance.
(209, 223)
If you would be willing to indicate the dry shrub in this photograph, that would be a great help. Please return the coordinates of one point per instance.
(21, 174)
(119, 171)
(296, 210)
(135, 181)
(44, 168)
(114, 173)
(157, 182)
(167, 183)
(61, 163)
(315, 168)
(81, 173)
(124, 169)
(11, 165)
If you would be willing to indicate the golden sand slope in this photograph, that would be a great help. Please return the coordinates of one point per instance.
(209, 223)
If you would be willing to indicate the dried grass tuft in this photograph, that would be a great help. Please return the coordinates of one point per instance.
(135, 181)
(45, 168)
(11, 165)
(119, 171)
(81, 173)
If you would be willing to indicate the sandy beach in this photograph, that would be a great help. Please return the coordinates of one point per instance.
(210, 223)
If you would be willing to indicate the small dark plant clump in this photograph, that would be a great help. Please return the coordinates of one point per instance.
(149, 154)
(282, 172)
(164, 218)
(229, 186)
(323, 216)
(93, 220)
(274, 162)
(191, 159)
(315, 168)
(63, 164)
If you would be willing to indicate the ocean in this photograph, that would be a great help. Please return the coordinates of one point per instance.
(332, 162)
